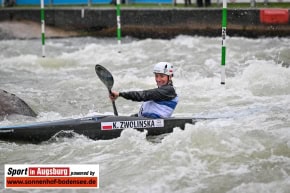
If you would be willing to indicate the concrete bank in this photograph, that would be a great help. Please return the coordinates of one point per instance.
(153, 23)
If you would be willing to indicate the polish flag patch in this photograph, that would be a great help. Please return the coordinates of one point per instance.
(107, 126)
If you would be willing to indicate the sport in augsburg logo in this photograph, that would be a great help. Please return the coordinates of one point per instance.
(51, 176)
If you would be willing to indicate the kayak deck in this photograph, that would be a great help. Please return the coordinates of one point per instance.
(96, 128)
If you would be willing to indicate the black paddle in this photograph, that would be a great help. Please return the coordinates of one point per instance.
(107, 78)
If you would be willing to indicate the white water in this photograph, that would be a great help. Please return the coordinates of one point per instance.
(247, 149)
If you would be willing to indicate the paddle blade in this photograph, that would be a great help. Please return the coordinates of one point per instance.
(105, 76)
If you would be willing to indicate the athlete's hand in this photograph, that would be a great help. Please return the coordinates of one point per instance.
(114, 95)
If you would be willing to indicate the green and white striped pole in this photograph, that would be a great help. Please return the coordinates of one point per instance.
(118, 22)
(224, 33)
(42, 27)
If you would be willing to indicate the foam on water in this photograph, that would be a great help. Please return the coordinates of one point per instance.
(246, 149)
(266, 78)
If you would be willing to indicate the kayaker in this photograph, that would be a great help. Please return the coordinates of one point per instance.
(158, 102)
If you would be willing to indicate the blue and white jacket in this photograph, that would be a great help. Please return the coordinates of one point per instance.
(158, 102)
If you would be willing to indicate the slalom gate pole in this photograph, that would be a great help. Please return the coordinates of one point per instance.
(118, 23)
(224, 33)
(42, 27)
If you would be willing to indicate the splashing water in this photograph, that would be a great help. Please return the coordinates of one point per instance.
(246, 149)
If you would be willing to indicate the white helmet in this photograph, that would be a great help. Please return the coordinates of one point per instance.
(163, 68)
